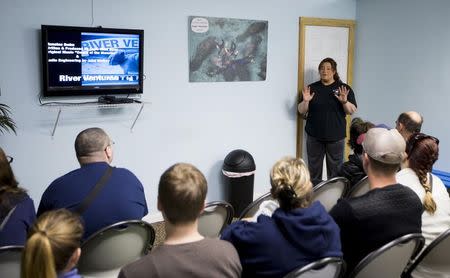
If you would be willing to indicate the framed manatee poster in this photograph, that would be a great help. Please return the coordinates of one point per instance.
(226, 49)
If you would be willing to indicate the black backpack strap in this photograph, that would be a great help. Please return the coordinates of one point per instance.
(5, 220)
(94, 192)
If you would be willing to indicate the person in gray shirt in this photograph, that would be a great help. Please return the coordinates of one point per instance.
(185, 253)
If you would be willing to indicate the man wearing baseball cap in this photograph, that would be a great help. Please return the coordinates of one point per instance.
(388, 211)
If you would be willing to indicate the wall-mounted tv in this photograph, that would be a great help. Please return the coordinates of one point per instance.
(87, 61)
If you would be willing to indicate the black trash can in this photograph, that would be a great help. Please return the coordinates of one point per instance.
(239, 175)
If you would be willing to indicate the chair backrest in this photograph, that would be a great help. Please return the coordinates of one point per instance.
(10, 257)
(330, 267)
(329, 191)
(361, 188)
(214, 218)
(435, 257)
(389, 260)
(253, 207)
(114, 246)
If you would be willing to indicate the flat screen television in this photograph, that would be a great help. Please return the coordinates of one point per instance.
(88, 61)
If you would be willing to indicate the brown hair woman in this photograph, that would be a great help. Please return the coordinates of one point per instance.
(17, 212)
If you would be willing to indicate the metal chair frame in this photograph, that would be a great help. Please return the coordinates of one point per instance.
(354, 191)
(390, 246)
(326, 185)
(445, 236)
(251, 209)
(229, 213)
(313, 269)
(95, 241)
(8, 266)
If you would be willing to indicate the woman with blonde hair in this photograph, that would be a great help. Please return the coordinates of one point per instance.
(297, 233)
(17, 212)
(422, 152)
(53, 246)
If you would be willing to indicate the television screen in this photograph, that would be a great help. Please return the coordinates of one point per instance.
(91, 61)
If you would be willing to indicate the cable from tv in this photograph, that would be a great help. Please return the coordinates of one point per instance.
(92, 13)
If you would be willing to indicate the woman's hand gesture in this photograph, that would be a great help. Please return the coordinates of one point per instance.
(307, 95)
(343, 93)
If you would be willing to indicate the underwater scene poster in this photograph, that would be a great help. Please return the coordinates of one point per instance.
(227, 49)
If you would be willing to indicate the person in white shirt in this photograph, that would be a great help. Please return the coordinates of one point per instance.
(423, 151)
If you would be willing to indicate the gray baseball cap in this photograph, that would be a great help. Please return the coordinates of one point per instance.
(386, 146)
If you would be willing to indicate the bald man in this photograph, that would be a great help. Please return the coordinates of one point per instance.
(408, 123)
(121, 197)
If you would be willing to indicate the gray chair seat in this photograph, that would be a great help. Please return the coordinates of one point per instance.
(104, 253)
(389, 260)
(10, 258)
(253, 207)
(214, 218)
(329, 191)
(435, 258)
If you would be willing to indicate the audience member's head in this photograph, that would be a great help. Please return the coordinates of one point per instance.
(358, 128)
(8, 182)
(181, 193)
(423, 152)
(7, 179)
(408, 123)
(384, 151)
(53, 245)
(291, 184)
(93, 145)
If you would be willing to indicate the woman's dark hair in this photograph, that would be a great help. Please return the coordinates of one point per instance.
(333, 66)
(358, 127)
(9, 187)
(423, 151)
(291, 184)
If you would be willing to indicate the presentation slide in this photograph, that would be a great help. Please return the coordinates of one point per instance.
(92, 59)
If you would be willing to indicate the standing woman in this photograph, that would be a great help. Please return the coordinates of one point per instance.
(17, 212)
(53, 246)
(325, 104)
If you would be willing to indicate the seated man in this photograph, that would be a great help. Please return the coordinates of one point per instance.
(409, 123)
(185, 253)
(120, 198)
(389, 210)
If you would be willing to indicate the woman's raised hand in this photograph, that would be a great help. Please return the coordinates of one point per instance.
(343, 93)
(307, 94)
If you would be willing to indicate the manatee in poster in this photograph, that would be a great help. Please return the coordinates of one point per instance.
(223, 49)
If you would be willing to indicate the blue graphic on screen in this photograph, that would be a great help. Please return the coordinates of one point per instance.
(109, 59)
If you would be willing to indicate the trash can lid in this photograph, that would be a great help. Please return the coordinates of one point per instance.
(239, 161)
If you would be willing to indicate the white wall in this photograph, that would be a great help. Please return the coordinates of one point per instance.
(402, 63)
(192, 122)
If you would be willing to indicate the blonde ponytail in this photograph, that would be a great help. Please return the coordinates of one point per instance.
(52, 240)
(37, 258)
(291, 184)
